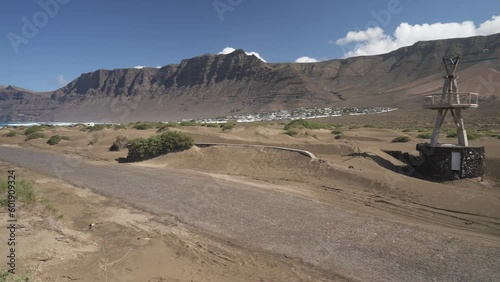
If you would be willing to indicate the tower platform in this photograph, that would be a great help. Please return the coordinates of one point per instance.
(460, 100)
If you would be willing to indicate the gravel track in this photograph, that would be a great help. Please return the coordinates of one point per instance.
(351, 245)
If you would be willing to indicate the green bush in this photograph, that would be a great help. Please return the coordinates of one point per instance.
(53, 140)
(212, 125)
(163, 129)
(32, 129)
(158, 124)
(401, 139)
(451, 133)
(337, 132)
(426, 135)
(168, 142)
(302, 123)
(64, 137)
(166, 126)
(369, 126)
(96, 127)
(228, 126)
(36, 135)
(172, 124)
(144, 125)
(472, 136)
(189, 123)
(406, 130)
(291, 132)
(26, 195)
(6, 276)
(119, 126)
(338, 136)
(24, 192)
(11, 133)
(259, 123)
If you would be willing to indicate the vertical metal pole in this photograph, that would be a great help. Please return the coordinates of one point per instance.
(437, 127)
(459, 124)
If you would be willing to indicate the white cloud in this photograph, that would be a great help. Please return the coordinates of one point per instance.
(306, 59)
(229, 50)
(141, 67)
(490, 27)
(360, 36)
(61, 81)
(256, 55)
(374, 41)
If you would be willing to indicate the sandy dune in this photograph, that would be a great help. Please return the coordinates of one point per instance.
(352, 172)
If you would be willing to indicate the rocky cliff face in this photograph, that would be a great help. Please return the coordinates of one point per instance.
(17, 104)
(215, 85)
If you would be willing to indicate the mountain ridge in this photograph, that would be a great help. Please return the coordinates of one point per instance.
(213, 85)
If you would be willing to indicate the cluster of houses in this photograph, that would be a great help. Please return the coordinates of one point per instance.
(301, 113)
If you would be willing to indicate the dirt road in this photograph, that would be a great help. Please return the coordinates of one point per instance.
(354, 246)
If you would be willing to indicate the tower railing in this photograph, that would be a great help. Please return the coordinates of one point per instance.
(451, 100)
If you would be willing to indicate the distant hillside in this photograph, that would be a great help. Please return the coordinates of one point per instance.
(215, 85)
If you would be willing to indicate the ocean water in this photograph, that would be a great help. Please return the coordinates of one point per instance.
(2, 124)
(27, 124)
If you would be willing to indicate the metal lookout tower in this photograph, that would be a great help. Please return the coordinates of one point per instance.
(451, 161)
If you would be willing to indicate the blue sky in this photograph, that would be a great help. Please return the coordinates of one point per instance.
(47, 43)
